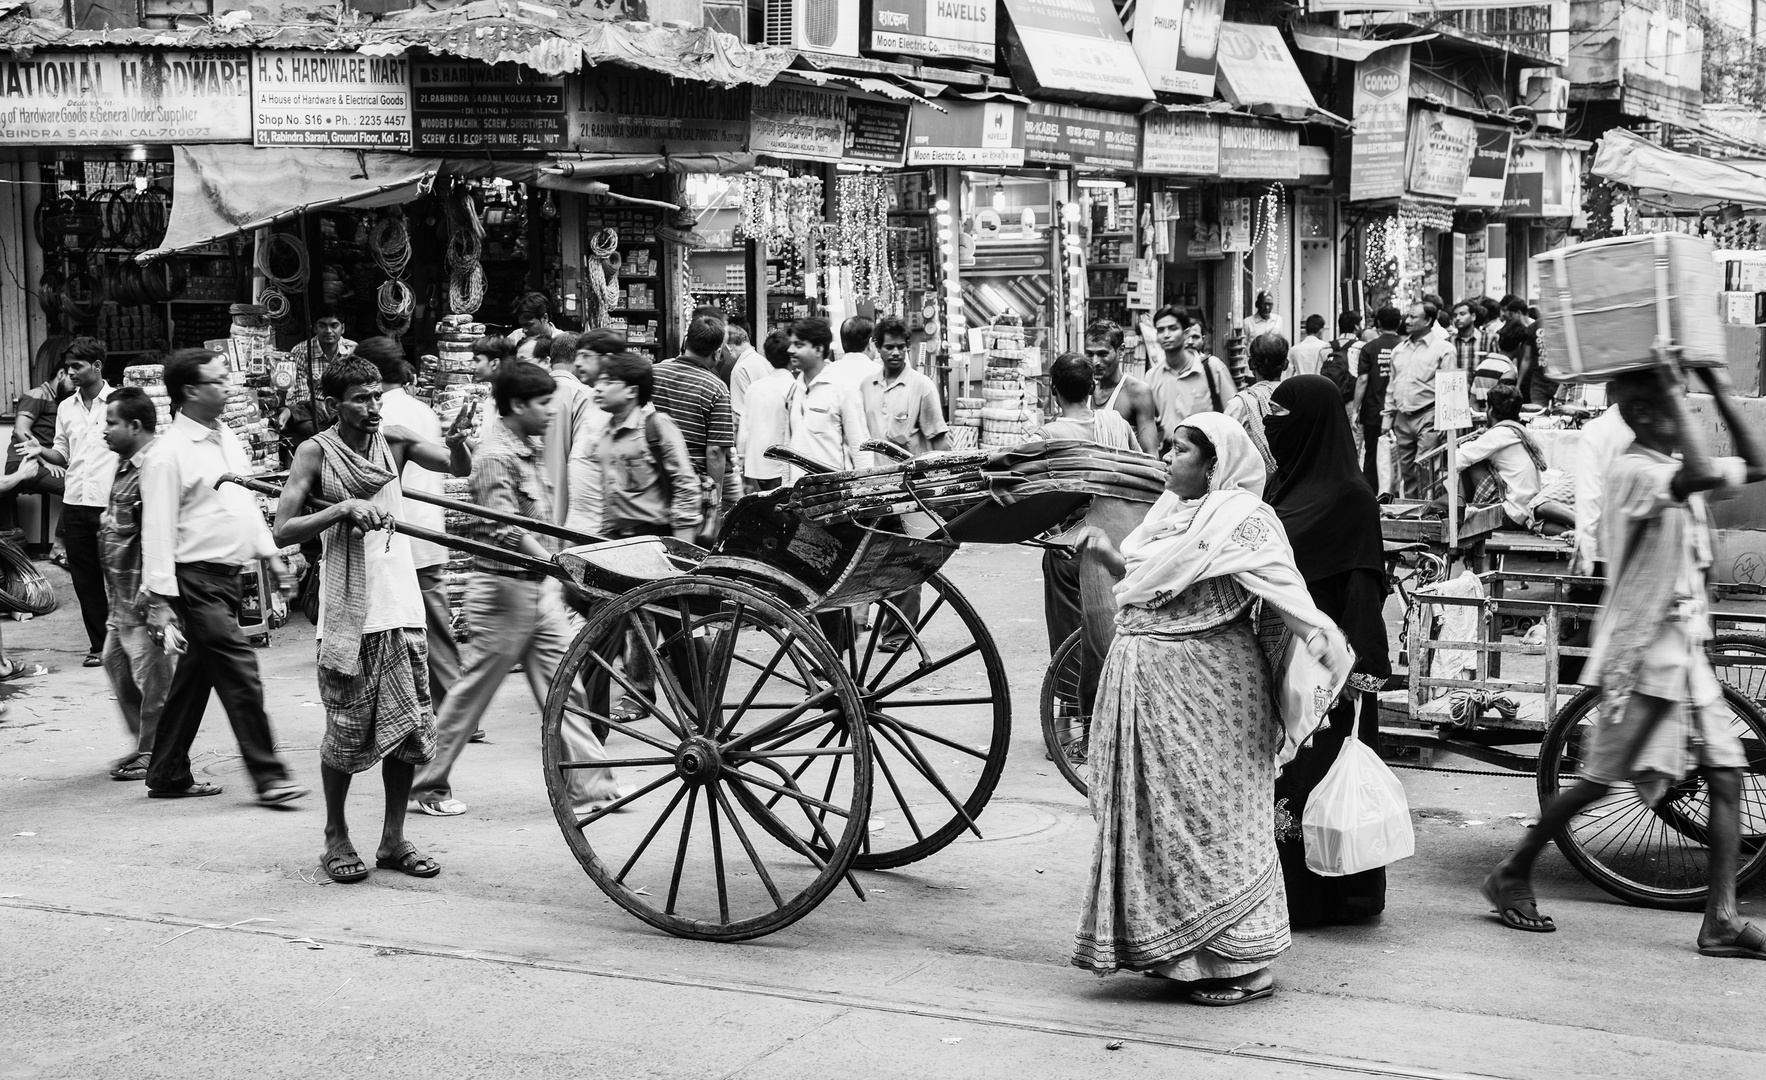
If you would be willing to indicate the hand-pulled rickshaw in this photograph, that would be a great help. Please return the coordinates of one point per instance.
(774, 742)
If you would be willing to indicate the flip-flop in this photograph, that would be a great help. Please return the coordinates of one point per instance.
(194, 791)
(440, 807)
(1514, 905)
(1750, 944)
(281, 793)
(1244, 995)
(22, 671)
(408, 861)
(133, 767)
(332, 863)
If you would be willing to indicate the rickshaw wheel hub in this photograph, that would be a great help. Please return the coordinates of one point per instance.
(698, 760)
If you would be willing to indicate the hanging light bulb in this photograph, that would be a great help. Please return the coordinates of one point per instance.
(942, 206)
(944, 219)
(999, 197)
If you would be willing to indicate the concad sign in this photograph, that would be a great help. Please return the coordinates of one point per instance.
(1382, 80)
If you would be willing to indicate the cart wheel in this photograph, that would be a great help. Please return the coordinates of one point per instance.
(1740, 661)
(1653, 858)
(1066, 711)
(746, 738)
(940, 718)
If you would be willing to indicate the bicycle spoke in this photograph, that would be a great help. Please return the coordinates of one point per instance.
(674, 886)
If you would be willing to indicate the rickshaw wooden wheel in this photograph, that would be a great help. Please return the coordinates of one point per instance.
(1066, 711)
(940, 718)
(1653, 857)
(731, 726)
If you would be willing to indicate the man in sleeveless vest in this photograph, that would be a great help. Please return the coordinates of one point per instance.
(372, 653)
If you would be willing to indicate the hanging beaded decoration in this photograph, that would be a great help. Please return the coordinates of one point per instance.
(861, 238)
(1270, 216)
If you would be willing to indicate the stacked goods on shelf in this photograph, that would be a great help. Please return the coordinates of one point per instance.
(131, 330)
(151, 378)
(458, 569)
(965, 423)
(454, 336)
(1008, 410)
(249, 352)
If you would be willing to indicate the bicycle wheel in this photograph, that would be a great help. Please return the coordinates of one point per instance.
(1066, 711)
(1653, 857)
(1739, 660)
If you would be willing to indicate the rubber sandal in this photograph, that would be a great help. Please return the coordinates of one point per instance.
(281, 793)
(133, 767)
(194, 791)
(16, 670)
(1201, 997)
(441, 807)
(407, 861)
(1750, 944)
(332, 862)
(92, 660)
(1515, 902)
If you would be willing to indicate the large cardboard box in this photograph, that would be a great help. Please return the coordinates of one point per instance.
(1604, 303)
(1745, 354)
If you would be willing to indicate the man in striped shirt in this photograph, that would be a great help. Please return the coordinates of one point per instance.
(689, 391)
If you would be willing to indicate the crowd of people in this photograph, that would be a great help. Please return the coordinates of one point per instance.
(1254, 582)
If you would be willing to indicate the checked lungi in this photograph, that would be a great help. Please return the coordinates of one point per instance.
(383, 708)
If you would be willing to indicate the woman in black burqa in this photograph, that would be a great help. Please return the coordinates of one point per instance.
(1333, 524)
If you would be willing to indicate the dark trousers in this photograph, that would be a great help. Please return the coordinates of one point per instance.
(1370, 454)
(80, 536)
(1060, 598)
(218, 659)
(444, 654)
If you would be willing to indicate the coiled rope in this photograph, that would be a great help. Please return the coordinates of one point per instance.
(389, 241)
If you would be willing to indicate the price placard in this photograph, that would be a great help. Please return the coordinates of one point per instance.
(1453, 405)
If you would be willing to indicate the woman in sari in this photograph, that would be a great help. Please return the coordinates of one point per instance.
(1333, 524)
(1186, 883)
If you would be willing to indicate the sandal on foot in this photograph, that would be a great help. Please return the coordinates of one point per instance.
(279, 794)
(334, 863)
(406, 861)
(1228, 996)
(440, 807)
(1750, 944)
(133, 767)
(194, 791)
(1517, 908)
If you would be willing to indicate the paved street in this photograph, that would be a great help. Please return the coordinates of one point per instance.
(159, 938)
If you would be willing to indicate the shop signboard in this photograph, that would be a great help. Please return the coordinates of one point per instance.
(110, 98)
(330, 99)
(1180, 144)
(1381, 102)
(1235, 224)
(1441, 148)
(465, 105)
(1071, 135)
(1075, 47)
(1256, 150)
(1178, 43)
(1258, 72)
(618, 111)
(1489, 172)
(816, 123)
(989, 133)
(953, 29)
(1544, 181)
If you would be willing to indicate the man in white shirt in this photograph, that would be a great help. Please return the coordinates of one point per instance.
(747, 366)
(583, 496)
(766, 417)
(1409, 416)
(195, 538)
(827, 417)
(854, 362)
(1438, 331)
(1265, 320)
(1308, 354)
(79, 445)
(1510, 454)
(1603, 439)
(399, 409)
(577, 423)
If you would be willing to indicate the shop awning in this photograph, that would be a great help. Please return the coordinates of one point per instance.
(223, 189)
(888, 88)
(1257, 73)
(551, 40)
(1676, 181)
(1325, 41)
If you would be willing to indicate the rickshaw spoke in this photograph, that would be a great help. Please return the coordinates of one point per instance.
(621, 727)
(940, 702)
(784, 832)
(674, 886)
(717, 861)
(773, 725)
(622, 763)
(924, 734)
(597, 815)
(747, 755)
(926, 669)
(916, 759)
(795, 730)
(644, 844)
(696, 674)
(665, 674)
(797, 773)
(717, 670)
(766, 878)
(766, 673)
(895, 658)
(798, 794)
(900, 799)
(634, 694)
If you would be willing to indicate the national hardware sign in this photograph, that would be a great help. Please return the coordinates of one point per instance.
(112, 98)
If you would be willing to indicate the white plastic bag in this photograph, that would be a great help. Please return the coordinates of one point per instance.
(1357, 817)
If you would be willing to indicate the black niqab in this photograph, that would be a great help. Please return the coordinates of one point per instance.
(1331, 516)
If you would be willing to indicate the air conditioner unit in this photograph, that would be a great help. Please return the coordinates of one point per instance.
(819, 26)
(1548, 94)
